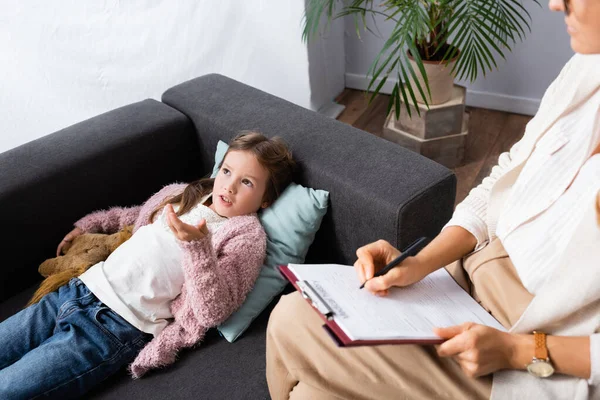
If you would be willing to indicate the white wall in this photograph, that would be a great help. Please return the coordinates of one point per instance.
(516, 86)
(64, 61)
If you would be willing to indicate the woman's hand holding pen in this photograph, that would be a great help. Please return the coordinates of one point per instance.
(451, 244)
(375, 256)
(183, 231)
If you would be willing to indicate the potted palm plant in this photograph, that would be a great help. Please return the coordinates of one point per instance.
(433, 41)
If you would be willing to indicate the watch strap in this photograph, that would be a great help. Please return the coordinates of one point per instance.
(541, 350)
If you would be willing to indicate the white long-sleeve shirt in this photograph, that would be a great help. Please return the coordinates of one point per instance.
(536, 197)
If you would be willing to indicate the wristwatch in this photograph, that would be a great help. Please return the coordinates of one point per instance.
(540, 365)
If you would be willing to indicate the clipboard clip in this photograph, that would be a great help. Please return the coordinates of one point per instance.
(309, 293)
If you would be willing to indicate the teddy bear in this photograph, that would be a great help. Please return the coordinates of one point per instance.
(83, 252)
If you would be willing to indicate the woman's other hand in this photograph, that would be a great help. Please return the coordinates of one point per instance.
(375, 256)
(183, 231)
(478, 349)
(66, 242)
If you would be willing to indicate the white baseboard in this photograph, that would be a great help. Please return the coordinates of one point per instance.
(492, 101)
(332, 110)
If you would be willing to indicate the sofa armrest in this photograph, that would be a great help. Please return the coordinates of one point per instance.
(378, 190)
(117, 158)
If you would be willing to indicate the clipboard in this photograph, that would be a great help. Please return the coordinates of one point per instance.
(327, 314)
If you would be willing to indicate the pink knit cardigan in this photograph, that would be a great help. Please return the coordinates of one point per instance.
(219, 272)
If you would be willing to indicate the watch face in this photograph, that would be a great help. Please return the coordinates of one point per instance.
(540, 368)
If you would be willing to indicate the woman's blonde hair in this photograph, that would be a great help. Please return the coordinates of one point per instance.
(272, 154)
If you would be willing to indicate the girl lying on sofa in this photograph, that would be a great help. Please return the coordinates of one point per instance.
(195, 253)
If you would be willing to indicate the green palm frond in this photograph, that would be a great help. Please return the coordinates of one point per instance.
(473, 31)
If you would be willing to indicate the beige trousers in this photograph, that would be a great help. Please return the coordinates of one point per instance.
(303, 362)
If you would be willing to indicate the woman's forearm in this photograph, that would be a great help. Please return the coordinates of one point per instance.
(450, 245)
(570, 355)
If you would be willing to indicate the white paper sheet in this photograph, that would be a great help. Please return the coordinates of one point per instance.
(405, 313)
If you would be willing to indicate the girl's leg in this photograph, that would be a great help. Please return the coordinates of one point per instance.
(90, 342)
(28, 328)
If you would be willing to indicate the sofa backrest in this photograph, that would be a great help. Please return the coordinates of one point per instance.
(378, 190)
(117, 158)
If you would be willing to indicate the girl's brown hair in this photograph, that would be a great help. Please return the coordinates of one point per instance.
(272, 154)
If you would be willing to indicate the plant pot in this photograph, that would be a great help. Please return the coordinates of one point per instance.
(440, 79)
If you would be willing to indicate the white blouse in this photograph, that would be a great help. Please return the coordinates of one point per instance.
(532, 253)
(554, 162)
(534, 200)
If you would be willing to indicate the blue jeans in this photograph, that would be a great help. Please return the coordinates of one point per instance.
(64, 345)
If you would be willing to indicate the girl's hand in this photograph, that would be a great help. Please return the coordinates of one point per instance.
(183, 231)
(478, 349)
(375, 256)
(66, 242)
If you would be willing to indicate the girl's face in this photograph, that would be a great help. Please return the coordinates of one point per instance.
(240, 185)
(583, 23)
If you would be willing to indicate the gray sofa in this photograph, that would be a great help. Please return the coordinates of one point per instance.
(377, 190)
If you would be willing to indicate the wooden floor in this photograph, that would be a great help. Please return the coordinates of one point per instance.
(490, 134)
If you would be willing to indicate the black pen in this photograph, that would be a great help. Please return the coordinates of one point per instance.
(411, 250)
